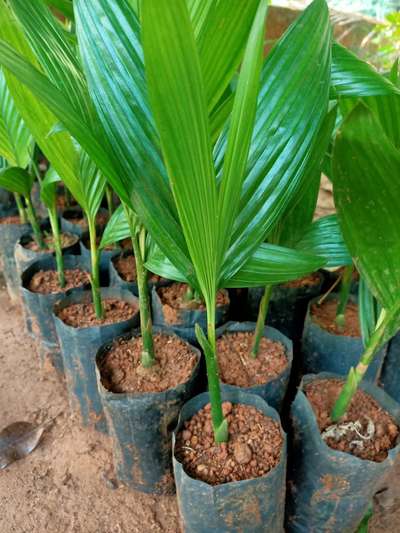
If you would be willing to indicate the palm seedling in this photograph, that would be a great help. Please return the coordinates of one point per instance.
(68, 160)
(16, 148)
(207, 211)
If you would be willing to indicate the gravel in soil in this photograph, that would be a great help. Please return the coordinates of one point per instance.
(62, 486)
(10, 220)
(253, 449)
(83, 315)
(126, 268)
(325, 314)
(47, 282)
(366, 430)
(238, 367)
(121, 370)
(67, 239)
(307, 281)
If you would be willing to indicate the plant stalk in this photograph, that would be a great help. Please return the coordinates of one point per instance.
(220, 424)
(21, 208)
(344, 296)
(146, 326)
(95, 275)
(32, 217)
(55, 228)
(262, 315)
(356, 374)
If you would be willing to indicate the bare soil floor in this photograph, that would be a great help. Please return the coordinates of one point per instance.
(67, 485)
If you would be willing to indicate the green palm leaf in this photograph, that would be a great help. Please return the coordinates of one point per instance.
(16, 142)
(17, 180)
(366, 196)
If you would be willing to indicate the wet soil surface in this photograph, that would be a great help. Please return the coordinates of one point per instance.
(238, 367)
(126, 268)
(82, 315)
(47, 281)
(63, 486)
(253, 449)
(121, 370)
(324, 315)
(366, 430)
(67, 239)
(307, 281)
(10, 220)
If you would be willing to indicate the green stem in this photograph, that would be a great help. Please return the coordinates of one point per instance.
(356, 374)
(344, 296)
(55, 228)
(110, 201)
(21, 208)
(30, 210)
(220, 424)
(95, 277)
(146, 326)
(262, 315)
(189, 294)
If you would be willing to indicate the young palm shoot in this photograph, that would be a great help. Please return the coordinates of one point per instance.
(48, 195)
(261, 318)
(21, 208)
(365, 160)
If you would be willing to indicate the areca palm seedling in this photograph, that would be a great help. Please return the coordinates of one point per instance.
(366, 197)
(68, 160)
(208, 220)
(16, 147)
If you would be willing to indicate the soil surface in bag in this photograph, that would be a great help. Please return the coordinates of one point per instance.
(125, 265)
(10, 220)
(83, 315)
(47, 282)
(325, 314)
(121, 370)
(173, 299)
(307, 281)
(75, 467)
(238, 367)
(77, 217)
(253, 448)
(67, 239)
(366, 430)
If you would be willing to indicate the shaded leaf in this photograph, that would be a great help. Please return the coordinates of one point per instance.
(353, 77)
(16, 142)
(48, 188)
(365, 164)
(16, 179)
(324, 238)
(272, 264)
(18, 440)
(116, 229)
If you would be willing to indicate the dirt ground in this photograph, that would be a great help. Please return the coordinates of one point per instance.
(67, 484)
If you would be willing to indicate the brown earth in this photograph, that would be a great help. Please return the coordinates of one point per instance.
(366, 430)
(253, 449)
(67, 239)
(122, 371)
(83, 315)
(306, 281)
(47, 282)
(65, 484)
(126, 268)
(10, 220)
(238, 367)
(325, 313)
